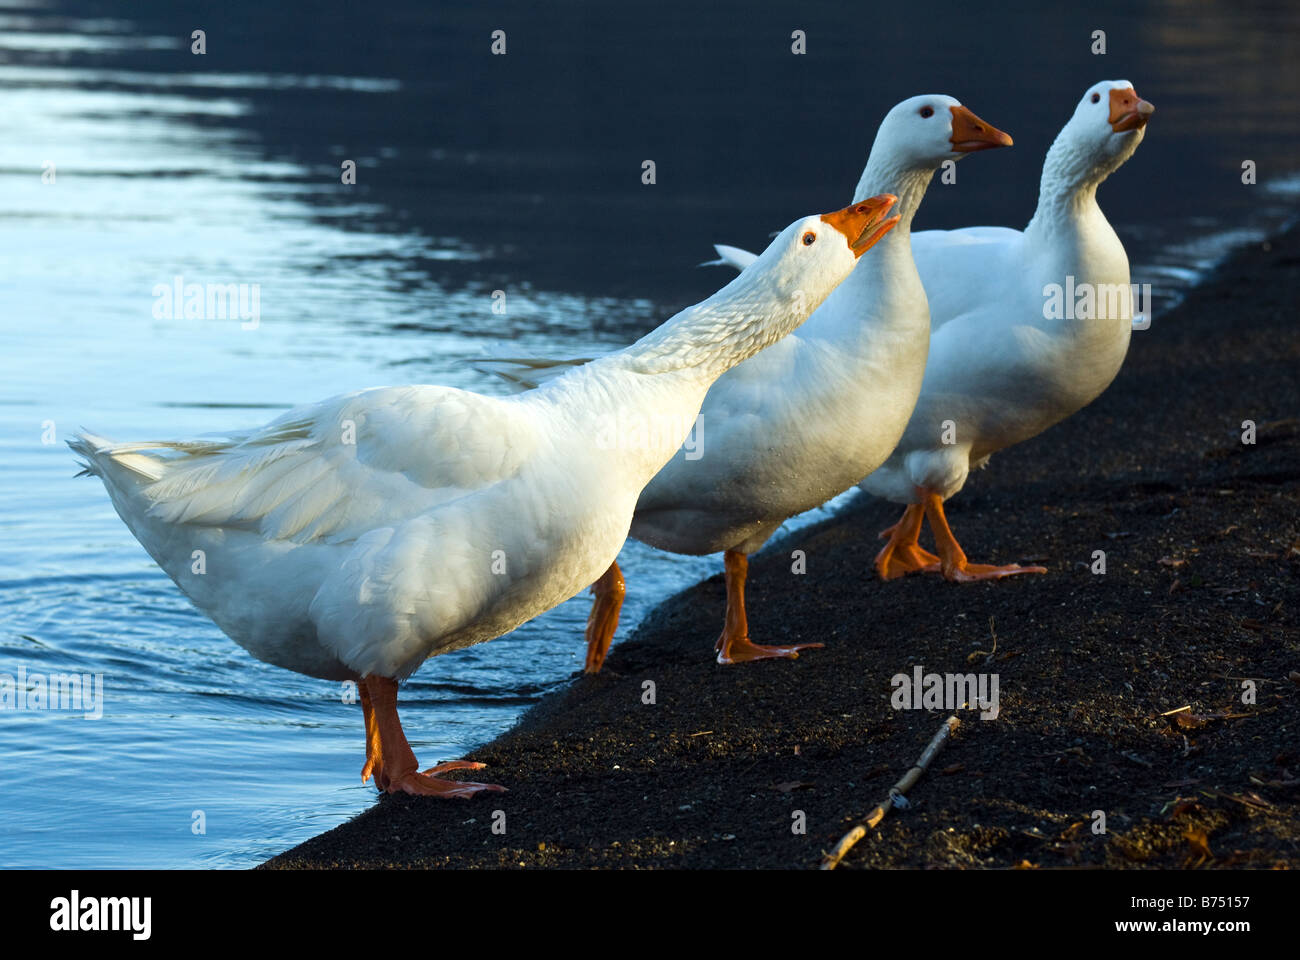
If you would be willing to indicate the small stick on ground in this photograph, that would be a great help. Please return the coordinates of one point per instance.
(986, 654)
(831, 860)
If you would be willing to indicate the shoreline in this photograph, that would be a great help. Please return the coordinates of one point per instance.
(1201, 593)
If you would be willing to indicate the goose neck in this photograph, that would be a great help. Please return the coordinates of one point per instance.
(709, 338)
(907, 182)
(1067, 191)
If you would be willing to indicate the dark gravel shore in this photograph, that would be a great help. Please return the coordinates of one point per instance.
(1201, 592)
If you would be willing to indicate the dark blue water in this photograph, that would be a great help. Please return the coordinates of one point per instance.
(475, 173)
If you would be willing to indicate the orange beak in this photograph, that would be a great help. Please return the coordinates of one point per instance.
(1128, 111)
(863, 224)
(970, 133)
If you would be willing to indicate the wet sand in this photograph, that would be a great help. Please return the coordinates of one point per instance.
(1201, 592)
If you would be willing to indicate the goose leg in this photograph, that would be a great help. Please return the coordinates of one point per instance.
(397, 759)
(372, 765)
(954, 562)
(603, 620)
(734, 645)
(902, 554)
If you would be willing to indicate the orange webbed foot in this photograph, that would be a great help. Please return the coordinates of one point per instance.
(389, 756)
(427, 784)
(902, 555)
(898, 560)
(972, 572)
(743, 650)
(734, 646)
(956, 568)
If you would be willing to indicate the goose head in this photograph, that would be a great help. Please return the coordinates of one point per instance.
(810, 257)
(922, 132)
(1107, 126)
(769, 298)
(916, 137)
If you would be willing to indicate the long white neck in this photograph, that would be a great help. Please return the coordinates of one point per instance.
(1067, 191)
(661, 380)
(881, 295)
(750, 313)
(884, 173)
(1070, 245)
(891, 258)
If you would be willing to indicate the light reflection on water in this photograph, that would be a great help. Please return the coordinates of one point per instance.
(164, 174)
(147, 188)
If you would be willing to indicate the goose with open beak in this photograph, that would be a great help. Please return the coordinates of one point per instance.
(354, 538)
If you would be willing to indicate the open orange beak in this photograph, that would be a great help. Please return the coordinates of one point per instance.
(1128, 111)
(863, 224)
(970, 133)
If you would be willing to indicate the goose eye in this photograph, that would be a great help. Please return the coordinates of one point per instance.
(927, 111)
(808, 238)
(1096, 97)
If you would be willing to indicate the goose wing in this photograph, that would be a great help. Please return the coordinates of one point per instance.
(331, 471)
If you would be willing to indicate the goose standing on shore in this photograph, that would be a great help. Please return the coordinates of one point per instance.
(805, 419)
(354, 538)
(1008, 358)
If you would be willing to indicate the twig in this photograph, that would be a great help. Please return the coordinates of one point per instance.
(987, 654)
(909, 779)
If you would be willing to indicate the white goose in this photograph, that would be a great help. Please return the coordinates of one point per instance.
(805, 419)
(1005, 363)
(356, 537)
